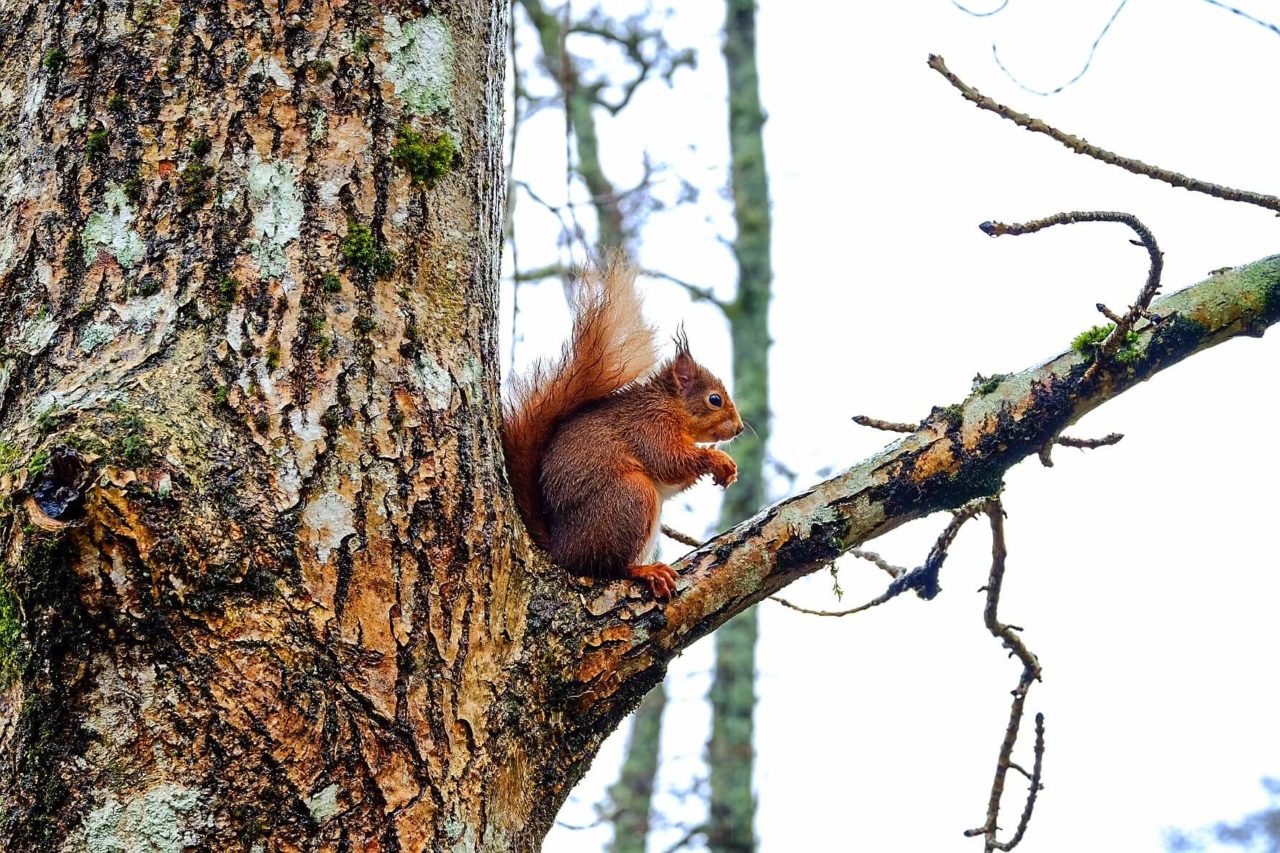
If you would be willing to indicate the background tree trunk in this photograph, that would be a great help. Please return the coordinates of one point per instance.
(613, 229)
(731, 751)
(631, 797)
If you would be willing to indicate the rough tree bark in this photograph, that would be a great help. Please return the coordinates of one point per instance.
(264, 588)
(256, 349)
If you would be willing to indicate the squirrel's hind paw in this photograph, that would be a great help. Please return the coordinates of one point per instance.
(660, 578)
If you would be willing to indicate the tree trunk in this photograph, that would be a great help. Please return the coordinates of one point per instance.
(259, 546)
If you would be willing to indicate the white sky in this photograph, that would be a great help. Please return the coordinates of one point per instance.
(1144, 574)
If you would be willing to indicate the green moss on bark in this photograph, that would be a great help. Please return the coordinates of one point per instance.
(425, 161)
(362, 253)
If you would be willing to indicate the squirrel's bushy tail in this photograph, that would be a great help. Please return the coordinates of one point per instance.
(611, 346)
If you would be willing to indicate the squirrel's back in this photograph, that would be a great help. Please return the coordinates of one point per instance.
(611, 346)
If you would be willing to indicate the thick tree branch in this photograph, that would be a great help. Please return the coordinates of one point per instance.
(959, 453)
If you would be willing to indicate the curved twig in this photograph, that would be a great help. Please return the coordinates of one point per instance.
(1106, 28)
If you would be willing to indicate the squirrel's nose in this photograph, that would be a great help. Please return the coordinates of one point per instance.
(741, 427)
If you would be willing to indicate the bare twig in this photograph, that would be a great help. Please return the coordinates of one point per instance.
(645, 49)
(852, 610)
(687, 839)
(1045, 454)
(540, 273)
(1266, 25)
(997, 10)
(1072, 217)
(1123, 324)
(995, 55)
(1046, 458)
(1269, 202)
(880, 562)
(699, 294)
(1108, 313)
(923, 579)
(1033, 780)
(682, 538)
(1090, 443)
(1007, 634)
(887, 426)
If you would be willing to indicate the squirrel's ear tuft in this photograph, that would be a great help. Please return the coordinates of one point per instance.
(682, 341)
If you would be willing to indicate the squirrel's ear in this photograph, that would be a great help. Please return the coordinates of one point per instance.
(683, 369)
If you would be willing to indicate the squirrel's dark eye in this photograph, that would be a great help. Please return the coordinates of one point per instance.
(715, 400)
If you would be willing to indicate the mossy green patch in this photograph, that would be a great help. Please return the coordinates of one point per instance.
(201, 146)
(1271, 301)
(48, 421)
(132, 189)
(984, 385)
(953, 415)
(116, 103)
(425, 161)
(228, 287)
(10, 453)
(53, 60)
(321, 68)
(1089, 343)
(195, 186)
(39, 461)
(96, 143)
(330, 282)
(149, 286)
(361, 252)
(13, 652)
(128, 439)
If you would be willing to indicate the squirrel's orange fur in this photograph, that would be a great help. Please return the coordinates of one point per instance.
(598, 439)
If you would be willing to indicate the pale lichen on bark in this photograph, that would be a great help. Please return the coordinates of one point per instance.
(111, 230)
(422, 56)
(277, 218)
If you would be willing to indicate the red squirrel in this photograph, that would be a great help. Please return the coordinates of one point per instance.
(596, 440)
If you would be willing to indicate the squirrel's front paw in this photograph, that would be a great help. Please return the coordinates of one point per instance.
(723, 469)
